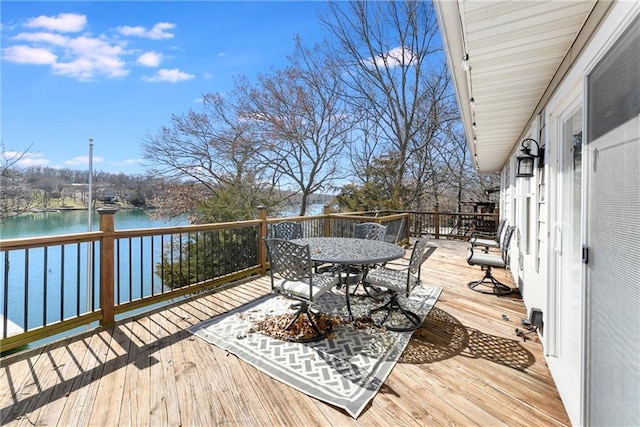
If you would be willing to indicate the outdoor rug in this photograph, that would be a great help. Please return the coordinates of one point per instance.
(345, 370)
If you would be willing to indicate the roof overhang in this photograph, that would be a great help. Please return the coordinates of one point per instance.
(516, 50)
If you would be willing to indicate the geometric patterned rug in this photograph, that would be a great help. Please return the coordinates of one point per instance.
(346, 370)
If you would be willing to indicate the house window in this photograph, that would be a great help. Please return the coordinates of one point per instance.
(614, 86)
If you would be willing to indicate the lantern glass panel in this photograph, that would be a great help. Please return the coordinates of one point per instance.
(525, 166)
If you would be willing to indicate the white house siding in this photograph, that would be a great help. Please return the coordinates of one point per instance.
(566, 312)
(592, 312)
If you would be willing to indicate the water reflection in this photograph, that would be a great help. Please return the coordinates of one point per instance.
(76, 221)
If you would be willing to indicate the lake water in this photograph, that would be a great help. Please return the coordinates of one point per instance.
(67, 222)
(33, 299)
(29, 293)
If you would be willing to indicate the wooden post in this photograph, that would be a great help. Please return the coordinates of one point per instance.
(362, 211)
(407, 225)
(436, 222)
(106, 265)
(262, 234)
(327, 221)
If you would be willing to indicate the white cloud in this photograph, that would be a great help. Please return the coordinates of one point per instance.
(92, 57)
(49, 38)
(150, 59)
(28, 159)
(221, 54)
(173, 76)
(21, 54)
(90, 68)
(127, 162)
(83, 56)
(82, 160)
(393, 58)
(158, 32)
(64, 22)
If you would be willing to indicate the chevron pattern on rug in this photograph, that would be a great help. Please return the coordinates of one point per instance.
(345, 370)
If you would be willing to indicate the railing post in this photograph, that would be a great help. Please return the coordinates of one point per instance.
(327, 221)
(362, 211)
(262, 234)
(106, 265)
(436, 222)
(407, 225)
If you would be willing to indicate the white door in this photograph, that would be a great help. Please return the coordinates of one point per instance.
(613, 235)
(567, 232)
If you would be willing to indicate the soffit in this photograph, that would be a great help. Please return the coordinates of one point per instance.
(514, 48)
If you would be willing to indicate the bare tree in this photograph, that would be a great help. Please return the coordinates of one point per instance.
(214, 148)
(14, 199)
(386, 51)
(210, 147)
(369, 147)
(302, 121)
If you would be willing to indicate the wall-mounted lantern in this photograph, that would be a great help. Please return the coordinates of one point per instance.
(525, 160)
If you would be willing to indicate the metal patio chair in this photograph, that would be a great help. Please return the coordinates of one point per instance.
(287, 230)
(394, 231)
(487, 262)
(400, 282)
(489, 241)
(292, 276)
(370, 231)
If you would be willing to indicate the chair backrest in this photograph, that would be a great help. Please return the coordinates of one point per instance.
(394, 231)
(419, 255)
(369, 231)
(506, 240)
(289, 260)
(287, 230)
(501, 225)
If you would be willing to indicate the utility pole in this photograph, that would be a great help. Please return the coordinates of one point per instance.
(90, 220)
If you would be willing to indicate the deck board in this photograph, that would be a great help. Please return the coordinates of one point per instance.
(464, 366)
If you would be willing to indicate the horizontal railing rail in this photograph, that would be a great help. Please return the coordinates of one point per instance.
(49, 286)
(446, 225)
(53, 284)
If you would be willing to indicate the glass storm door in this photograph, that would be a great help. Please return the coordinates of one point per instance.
(568, 250)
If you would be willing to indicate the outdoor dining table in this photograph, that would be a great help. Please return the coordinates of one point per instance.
(347, 252)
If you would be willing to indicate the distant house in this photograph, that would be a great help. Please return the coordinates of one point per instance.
(562, 79)
(107, 196)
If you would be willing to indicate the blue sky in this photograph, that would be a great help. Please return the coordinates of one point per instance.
(116, 70)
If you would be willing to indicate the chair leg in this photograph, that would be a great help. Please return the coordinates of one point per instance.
(497, 287)
(368, 289)
(303, 308)
(394, 305)
(373, 292)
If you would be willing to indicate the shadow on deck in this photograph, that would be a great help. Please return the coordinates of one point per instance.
(464, 366)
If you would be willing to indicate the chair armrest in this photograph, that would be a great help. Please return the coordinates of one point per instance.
(479, 235)
(469, 255)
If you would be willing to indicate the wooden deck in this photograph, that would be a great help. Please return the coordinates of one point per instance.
(465, 366)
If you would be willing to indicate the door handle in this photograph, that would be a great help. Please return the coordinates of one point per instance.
(557, 238)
